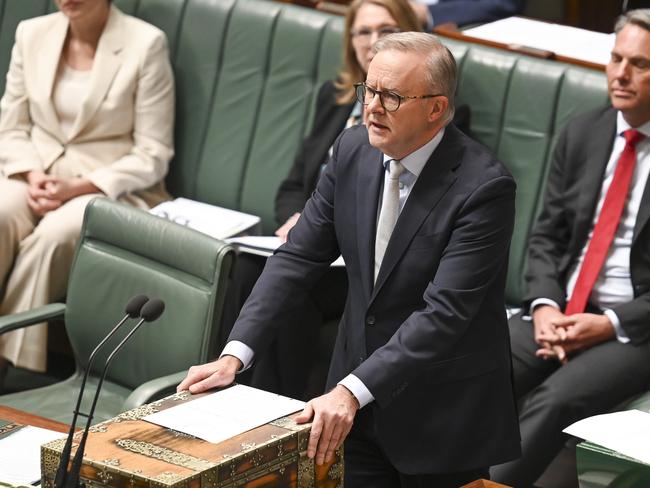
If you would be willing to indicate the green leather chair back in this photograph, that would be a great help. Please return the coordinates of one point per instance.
(518, 106)
(124, 251)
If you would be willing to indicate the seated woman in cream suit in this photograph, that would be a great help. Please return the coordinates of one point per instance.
(87, 111)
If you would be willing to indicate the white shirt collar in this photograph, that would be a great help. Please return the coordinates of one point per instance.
(415, 161)
(622, 126)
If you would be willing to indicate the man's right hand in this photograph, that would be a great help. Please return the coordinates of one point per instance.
(210, 375)
(547, 335)
(283, 230)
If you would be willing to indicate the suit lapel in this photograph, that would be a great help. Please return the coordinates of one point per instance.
(370, 175)
(48, 57)
(436, 178)
(105, 65)
(598, 151)
(644, 213)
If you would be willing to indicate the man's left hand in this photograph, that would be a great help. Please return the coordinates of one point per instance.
(333, 414)
(583, 330)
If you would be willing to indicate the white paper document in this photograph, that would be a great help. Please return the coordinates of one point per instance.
(562, 40)
(20, 454)
(214, 221)
(265, 245)
(626, 432)
(226, 413)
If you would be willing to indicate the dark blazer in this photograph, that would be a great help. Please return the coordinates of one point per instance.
(462, 12)
(329, 121)
(572, 191)
(430, 339)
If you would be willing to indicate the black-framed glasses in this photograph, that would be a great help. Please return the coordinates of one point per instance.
(364, 34)
(388, 99)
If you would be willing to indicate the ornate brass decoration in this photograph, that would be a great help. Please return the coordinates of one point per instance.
(50, 458)
(164, 454)
(136, 413)
(335, 473)
(247, 446)
(306, 475)
(280, 450)
(256, 459)
(105, 476)
(167, 477)
(101, 428)
(111, 462)
(288, 423)
(180, 396)
(9, 428)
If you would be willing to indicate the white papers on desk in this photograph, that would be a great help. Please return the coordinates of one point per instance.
(214, 221)
(226, 413)
(563, 40)
(20, 454)
(265, 246)
(626, 432)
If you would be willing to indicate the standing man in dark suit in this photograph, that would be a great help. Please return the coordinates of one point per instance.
(587, 347)
(422, 216)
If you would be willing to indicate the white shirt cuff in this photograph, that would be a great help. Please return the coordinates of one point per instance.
(620, 333)
(540, 301)
(358, 389)
(241, 351)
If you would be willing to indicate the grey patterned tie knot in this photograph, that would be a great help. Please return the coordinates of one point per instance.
(388, 213)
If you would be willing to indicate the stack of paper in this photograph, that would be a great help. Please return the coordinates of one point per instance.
(265, 246)
(226, 413)
(627, 432)
(20, 454)
(214, 221)
(562, 40)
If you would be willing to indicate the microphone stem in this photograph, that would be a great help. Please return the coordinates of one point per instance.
(76, 463)
(62, 470)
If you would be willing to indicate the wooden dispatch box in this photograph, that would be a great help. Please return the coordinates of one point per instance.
(128, 452)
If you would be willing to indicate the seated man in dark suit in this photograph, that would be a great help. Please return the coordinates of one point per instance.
(423, 217)
(464, 12)
(587, 347)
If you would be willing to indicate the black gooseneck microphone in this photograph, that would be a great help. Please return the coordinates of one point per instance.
(150, 312)
(132, 311)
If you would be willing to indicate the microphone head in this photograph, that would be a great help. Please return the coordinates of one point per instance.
(135, 305)
(152, 309)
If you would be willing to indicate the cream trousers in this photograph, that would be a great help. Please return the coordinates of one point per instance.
(35, 259)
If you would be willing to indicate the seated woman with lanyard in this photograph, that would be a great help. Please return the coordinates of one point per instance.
(87, 111)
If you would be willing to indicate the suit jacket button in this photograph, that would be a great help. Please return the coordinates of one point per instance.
(370, 320)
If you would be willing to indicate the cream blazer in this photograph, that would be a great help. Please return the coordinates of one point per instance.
(122, 139)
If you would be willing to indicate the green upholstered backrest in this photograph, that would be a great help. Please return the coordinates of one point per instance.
(519, 104)
(124, 251)
(247, 74)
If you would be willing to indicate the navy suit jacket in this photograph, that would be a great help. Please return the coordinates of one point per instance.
(430, 338)
(462, 12)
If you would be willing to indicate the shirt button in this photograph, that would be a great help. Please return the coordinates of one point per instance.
(370, 320)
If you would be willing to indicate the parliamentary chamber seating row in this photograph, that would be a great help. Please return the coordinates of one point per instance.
(247, 74)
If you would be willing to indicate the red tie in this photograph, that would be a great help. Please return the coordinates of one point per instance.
(606, 225)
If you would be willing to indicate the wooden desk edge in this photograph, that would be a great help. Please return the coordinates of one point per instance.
(25, 418)
(539, 53)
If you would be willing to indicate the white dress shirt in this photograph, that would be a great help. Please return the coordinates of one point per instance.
(614, 284)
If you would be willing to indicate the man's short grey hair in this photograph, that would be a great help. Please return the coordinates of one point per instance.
(639, 17)
(441, 65)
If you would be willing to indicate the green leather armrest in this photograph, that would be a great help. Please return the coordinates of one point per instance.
(148, 391)
(31, 317)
